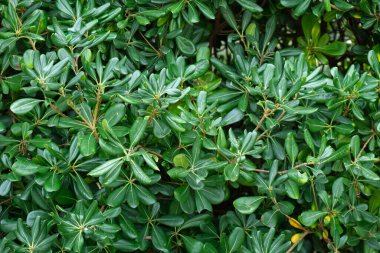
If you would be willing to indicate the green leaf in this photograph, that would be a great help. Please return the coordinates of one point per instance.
(5, 141)
(301, 8)
(171, 220)
(291, 147)
(106, 167)
(65, 7)
(298, 176)
(338, 154)
(248, 205)
(139, 173)
(337, 48)
(192, 245)
(117, 197)
(309, 140)
(231, 172)
(232, 117)
(24, 167)
(327, 5)
(137, 130)
(235, 239)
(24, 105)
(126, 246)
(201, 102)
(338, 188)
(250, 5)
(160, 128)
(142, 20)
(270, 218)
(53, 182)
(5, 187)
(114, 114)
(177, 7)
(82, 187)
(205, 9)
(374, 62)
(229, 17)
(87, 144)
(355, 145)
(369, 174)
(185, 45)
(308, 218)
(159, 238)
(181, 160)
(292, 189)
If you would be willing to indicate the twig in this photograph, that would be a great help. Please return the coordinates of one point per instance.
(267, 171)
(365, 145)
(302, 165)
(283, 171)
(265, 115)
(297, 242)
(57, 110)
(225, 157)
(152, 152)
(266, 131)
(262, 135)
(96, 110)
(89, 125)
(147, 41)
(281, 115)
(5, 201)
(33, 44)
(149, 151)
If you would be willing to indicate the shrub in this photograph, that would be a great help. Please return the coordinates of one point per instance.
(189, 126)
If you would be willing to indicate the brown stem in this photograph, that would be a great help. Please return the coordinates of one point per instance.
(76, 65)
(88, 124)
(266, 131)
(262, 135)
(225, 157)
(96, 111)
(265, 115)
(33, 44)
(147, 41)
(302, 165)
(152, 152)
(267, 171)
(57, 110)
(283, 171)
(297, 242)
(5, 201)
(154, 113)
(281, 115)
(365, 145)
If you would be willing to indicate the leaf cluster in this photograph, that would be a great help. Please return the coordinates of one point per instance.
(189, 126)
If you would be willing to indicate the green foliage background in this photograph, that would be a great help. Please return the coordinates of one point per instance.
(189, 126)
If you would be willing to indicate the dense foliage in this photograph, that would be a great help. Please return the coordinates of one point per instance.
(189, 126)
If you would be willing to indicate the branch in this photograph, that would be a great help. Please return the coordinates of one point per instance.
(297, 242)
(57, 110)
(154, 49)
(96, 110)
(262, 135)
(302, 165)
(152, 152)
(283, 171)
(225, 157)
(365, 145)
(266, 131)
(265, 115)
